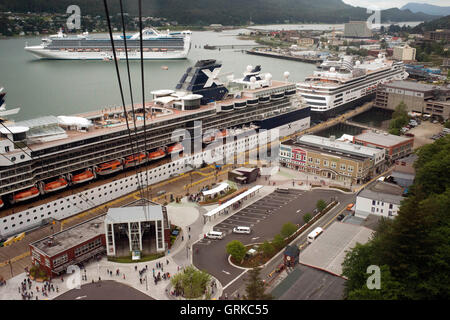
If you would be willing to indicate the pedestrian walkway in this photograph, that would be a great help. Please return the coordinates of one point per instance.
(185, 214)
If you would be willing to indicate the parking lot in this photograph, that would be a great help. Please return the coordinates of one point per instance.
(265, 217)
(257, 212)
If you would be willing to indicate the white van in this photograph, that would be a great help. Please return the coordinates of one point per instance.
(241, 229)
(314, 234)
(214, 235)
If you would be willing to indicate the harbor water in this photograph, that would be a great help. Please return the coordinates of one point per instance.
(60, 87)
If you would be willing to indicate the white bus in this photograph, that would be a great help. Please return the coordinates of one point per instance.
(314, 234)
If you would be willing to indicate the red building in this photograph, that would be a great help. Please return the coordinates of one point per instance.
(395, 146)
(69, 247)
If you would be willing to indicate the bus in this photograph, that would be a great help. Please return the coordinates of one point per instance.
(314, 234)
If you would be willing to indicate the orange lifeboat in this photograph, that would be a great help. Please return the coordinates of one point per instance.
(134, 160)
(83, 177)
(222, 134)
(155, 155)
(1, 203)
(176, 148)
(55, 185)
(27, 194)
(209, 139)
(109, 167)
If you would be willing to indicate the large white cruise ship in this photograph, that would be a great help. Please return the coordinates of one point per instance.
(53, 167)
(336, 88)
(156, 46)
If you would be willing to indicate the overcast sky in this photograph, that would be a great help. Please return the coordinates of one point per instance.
(384, 4)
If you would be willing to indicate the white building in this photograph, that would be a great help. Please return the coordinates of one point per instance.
(141, 227)
(405, 53)
(381, 199)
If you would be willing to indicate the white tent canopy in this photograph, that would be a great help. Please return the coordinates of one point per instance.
(217, 210)
(74, 121)
(217, 189)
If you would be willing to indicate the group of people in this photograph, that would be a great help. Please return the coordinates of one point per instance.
(195, 197)
(25, 289)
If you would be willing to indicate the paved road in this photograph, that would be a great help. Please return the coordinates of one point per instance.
(104, 290)
(266, 218)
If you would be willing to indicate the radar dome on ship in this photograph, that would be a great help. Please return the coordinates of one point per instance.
(286, 74)
(249, 68)
(253, 79)
(268, 77)
(332, 69)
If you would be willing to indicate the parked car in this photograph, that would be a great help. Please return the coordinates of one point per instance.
(340, 217)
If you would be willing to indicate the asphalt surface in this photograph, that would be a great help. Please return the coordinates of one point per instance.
(104, 290)
(266, 218)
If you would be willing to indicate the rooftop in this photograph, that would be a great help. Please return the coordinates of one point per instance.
(328, 251)
(134, 214)
(412, 85)
(383, 191)
(69, 238)
(381, 138)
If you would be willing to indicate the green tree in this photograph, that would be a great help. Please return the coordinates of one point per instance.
(255, 287)
(288, 229)
(192, 283)
(278, 241)
(236, 249)
(267, 248)
(307, 217)
(321, 205)
(399, 119)
(413, 249)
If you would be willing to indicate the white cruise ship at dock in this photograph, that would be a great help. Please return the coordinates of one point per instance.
(332, 90)
(156, 46)
(55, 167)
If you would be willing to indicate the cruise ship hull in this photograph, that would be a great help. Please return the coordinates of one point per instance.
(42, 53)
(317, 116)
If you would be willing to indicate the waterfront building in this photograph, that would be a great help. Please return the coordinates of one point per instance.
(418, 97)
(404, 53)
(357, 29)
(395, 147)
(332, 159)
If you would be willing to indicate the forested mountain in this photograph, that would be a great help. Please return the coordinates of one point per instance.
(426, 8)
(441, 23)
(229, 12)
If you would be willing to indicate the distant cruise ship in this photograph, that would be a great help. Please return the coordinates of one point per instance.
(156, 46)
(343, 85)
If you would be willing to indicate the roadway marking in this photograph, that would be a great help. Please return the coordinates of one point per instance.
(231, 282)
(255, 238)
(80, 297)
(298, 210)
(226, 272)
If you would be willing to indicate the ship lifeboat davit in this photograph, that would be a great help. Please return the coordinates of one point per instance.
(135, 160)
(109, 167)
(155, 155)
(83, 177)
(176, 148)
(27, 194)
(55, 185)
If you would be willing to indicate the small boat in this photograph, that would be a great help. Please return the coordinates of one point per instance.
(176, 148)
(135, 160)
(155, 155)
(109, 167)
(55, 185)
(165, 67)
(27, 194)
(83, 177)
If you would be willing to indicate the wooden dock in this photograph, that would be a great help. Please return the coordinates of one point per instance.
(284, 56)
